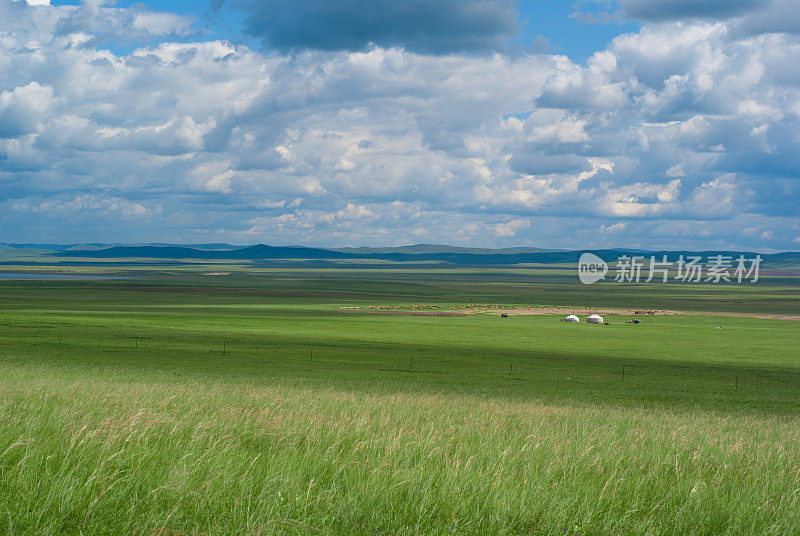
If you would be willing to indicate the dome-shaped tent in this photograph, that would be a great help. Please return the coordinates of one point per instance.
(570, 318)
(594, 319)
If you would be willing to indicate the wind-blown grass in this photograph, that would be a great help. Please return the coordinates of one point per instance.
(101, 457)
(127, 417)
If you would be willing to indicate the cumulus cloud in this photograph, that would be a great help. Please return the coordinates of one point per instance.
(779, 16)
(23, 108)
(660, 10)
(510, 228)
(547, 164)
(685, 128)
(612, 228)
(102, 23)
(86, 205)
(748, 17)
(419, 25)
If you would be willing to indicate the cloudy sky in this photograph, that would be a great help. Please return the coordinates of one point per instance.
(612, 123)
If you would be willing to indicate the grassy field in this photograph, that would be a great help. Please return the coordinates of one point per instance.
(179, 404)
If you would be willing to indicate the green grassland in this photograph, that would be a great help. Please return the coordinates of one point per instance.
(177, 403)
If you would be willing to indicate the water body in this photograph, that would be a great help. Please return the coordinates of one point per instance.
(16, 276)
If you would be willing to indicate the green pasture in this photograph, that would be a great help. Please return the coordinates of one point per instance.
(252, 404)
(777, 292)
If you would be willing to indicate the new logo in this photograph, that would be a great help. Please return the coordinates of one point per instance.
(591, 268)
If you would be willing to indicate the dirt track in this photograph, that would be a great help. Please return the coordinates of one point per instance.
(631, 312)
(463, 310)
(756, 315)
(580, 311)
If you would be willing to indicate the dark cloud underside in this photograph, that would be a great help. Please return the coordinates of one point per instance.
(437, 26)
(662, 10)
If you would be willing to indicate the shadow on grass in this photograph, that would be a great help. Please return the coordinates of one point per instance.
(384, 368)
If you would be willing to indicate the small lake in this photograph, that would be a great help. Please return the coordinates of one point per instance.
(44, 276)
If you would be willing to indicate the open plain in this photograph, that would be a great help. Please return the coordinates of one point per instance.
(177, 403)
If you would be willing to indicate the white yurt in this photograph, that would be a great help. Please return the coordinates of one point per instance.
(594, 319)
(571, 318)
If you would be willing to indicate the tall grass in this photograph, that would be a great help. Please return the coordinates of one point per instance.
(106, 457)
(120, 415)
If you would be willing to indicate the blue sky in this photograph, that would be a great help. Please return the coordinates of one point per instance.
(608, 123)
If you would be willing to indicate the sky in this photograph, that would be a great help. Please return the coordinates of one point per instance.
(654, 124)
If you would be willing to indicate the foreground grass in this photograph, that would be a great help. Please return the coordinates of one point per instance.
(105, 457)
(172, 414)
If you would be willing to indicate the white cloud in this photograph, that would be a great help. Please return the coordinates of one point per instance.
(510, 228)
(612, 228)
(640, 199)
(84, 205)
(679, 121)
(161, 23)
(23, 108)
(746, 17)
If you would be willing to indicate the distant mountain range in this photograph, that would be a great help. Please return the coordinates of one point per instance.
(96, 246)
(421, 253)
